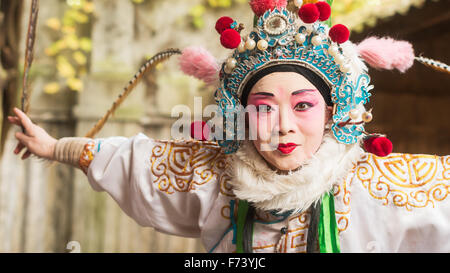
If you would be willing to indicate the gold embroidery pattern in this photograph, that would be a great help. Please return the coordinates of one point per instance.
(87, 156)
(406, 180)
(295, 239)
(181, 166)
(342, 201)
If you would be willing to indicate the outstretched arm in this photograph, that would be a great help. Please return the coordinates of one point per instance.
(166, 184)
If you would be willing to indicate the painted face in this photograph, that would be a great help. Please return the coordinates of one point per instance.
(290, 116)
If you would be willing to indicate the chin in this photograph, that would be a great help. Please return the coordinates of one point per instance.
(288, 163)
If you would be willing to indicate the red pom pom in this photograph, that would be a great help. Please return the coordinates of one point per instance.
(379, 146)
(199, 130)
(230, 38)
(223, 23)
(324, 10)
(261, 6)
(309, 13)
(339, 33)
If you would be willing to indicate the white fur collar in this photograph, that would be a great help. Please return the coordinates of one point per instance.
(253, 180)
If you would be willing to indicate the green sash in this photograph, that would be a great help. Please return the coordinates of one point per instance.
(328, 231)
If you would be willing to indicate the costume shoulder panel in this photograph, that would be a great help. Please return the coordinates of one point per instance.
(182, 166)
(405, 180)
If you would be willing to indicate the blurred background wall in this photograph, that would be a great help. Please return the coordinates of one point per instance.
(87, 50)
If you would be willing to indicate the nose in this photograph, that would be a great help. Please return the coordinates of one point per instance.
(286, 121)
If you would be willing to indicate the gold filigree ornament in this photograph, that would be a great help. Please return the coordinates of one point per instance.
(182, 166)
(406, 180)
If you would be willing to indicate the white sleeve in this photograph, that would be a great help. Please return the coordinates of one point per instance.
(168, 185)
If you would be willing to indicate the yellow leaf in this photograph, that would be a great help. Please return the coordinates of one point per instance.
(65, 69)
(79, 57)
(72, 42)
(68, 29)
(51, 88)
(85, 44)
(197, 10)
(53, 23)
(88, 7)
(159, 66)
(75, 84)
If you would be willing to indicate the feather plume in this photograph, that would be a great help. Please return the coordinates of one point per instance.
(387, 53)
(151, 63)
(29, 52)
(199, 63)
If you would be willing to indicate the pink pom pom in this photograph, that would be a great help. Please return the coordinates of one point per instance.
(200, 130)
(261, 6)
(199, 63)
(387, 53)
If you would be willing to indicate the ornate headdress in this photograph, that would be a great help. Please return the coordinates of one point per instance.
(281, 36)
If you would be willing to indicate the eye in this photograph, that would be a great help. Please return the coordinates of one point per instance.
(264, 108)
(302, 106)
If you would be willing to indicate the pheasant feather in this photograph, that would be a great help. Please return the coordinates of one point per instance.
(436, 65)
(151, 63)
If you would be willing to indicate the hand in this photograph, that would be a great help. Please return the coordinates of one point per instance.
(35, 139)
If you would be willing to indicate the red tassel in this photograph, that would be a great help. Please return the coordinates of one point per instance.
(200, 130)
(379, 146)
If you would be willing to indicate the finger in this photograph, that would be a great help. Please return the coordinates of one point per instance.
(26, 155)
(14, 120)
(19, 148)
(22, 137)
(25, 120)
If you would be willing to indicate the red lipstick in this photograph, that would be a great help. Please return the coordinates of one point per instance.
(286, 148)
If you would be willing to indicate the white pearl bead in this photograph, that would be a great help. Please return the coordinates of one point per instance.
(300, 38)
(250, 44)
(316, 40)
(262, 45)
(367, 117)
(228, 69)
(231, 63)
(298, 3)
(354, 114)
(309, 29)
(339, 59)
(345, 68)
(241, 47)
(333, 50)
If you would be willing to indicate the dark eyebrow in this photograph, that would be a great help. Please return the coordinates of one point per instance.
(272, 95)
(263, 94)
(301, 91)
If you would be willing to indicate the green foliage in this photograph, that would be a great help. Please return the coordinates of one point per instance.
(71, 47)
(196, 13)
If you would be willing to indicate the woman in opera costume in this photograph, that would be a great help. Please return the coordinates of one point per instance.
(295, 177)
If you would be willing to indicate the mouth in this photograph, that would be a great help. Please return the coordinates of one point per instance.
(287, 148)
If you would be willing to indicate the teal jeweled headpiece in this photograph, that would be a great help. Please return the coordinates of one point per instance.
(280, 36)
